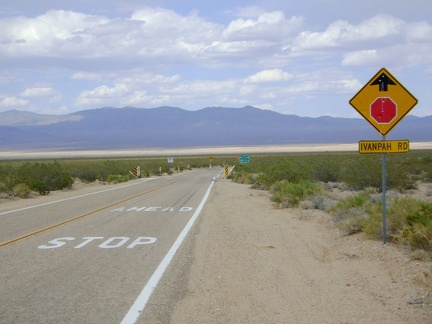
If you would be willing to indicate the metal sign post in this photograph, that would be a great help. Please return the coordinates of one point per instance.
(384, 189)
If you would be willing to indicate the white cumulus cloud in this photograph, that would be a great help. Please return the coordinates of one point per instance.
(274, 75)
(38, 92)
(10, 102)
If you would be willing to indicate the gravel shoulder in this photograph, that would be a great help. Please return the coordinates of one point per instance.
(253, 263)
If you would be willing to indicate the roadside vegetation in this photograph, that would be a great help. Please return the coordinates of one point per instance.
(22, 178)
(348, 187)
(345, 185)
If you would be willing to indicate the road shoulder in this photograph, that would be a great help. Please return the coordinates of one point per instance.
(250, 262)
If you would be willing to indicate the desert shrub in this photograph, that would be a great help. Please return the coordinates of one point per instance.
(289, 194)
(409, 221)
(351, 221)
(398, 212)
(89, 172)
(354, 201)
(245, 178)
(420, 255)
(42, 177)
(373, 224)
(329, 171)
(117, 178)
(322, 202)
(21, 190)
(418, 232)
(424, 280)
(39, 186)
(401, 175)
(6, 185)
(289, 171)
(358, 213)
(356, 171)
(261, 182)
(362, 172)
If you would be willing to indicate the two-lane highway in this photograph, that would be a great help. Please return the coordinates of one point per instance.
(95, 256)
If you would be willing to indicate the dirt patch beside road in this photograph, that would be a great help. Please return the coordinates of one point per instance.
(253, 263)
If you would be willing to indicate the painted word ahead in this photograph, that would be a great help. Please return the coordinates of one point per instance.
(401, 146)
(152, 209)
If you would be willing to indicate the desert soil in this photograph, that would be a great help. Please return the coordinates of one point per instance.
(253, 263)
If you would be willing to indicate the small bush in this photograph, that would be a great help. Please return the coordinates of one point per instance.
(261, 182)
(373, 224)
(352, 221)
(287, 194)
(420, 255)
(40, 186)
(358, 213)
(43, 177)
(242, 177)
(418, 233)
(409, 221)
(425, 279)
(322, 203)
(117, 178)
(354, 201)
(21, 190)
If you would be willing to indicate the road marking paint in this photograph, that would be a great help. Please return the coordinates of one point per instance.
(71, 198)
(152, 209)
(107, 244)
(40, 231)
(142, 299)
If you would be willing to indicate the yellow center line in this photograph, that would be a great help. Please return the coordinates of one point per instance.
(25, 236)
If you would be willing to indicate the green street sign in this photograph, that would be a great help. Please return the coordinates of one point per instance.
(244, 159)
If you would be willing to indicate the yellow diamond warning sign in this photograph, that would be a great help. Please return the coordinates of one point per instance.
(383, 101)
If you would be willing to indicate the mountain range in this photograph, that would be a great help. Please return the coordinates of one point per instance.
(171, 127)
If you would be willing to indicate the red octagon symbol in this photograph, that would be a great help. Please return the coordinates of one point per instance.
(383, 110)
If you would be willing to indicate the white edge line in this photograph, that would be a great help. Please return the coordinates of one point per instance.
(142, 299)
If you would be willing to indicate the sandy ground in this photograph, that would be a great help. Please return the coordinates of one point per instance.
(253, 263)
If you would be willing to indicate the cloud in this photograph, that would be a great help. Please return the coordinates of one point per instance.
(274, 75)
(419, 32)
(132, 89)
(51, 34)
(377, 32)
(264, 106)
(147, 78)
(158, 37)
(149, 35)
(86, 76)
(155, 55)
(38, 92)
(249, 11)
(10, 102)
(102, 93)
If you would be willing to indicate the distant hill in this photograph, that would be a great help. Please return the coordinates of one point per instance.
(21, 118)
(170, 127)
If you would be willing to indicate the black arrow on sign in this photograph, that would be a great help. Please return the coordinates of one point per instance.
(383, 81)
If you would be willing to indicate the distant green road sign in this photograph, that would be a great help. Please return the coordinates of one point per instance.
(244, 159)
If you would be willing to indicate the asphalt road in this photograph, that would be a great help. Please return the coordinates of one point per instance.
(95, 255)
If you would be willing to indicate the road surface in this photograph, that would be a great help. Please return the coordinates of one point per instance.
(94, 255)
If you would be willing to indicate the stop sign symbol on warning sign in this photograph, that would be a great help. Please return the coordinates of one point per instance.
(383, 110)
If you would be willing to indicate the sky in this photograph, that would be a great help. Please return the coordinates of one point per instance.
(306, 58)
